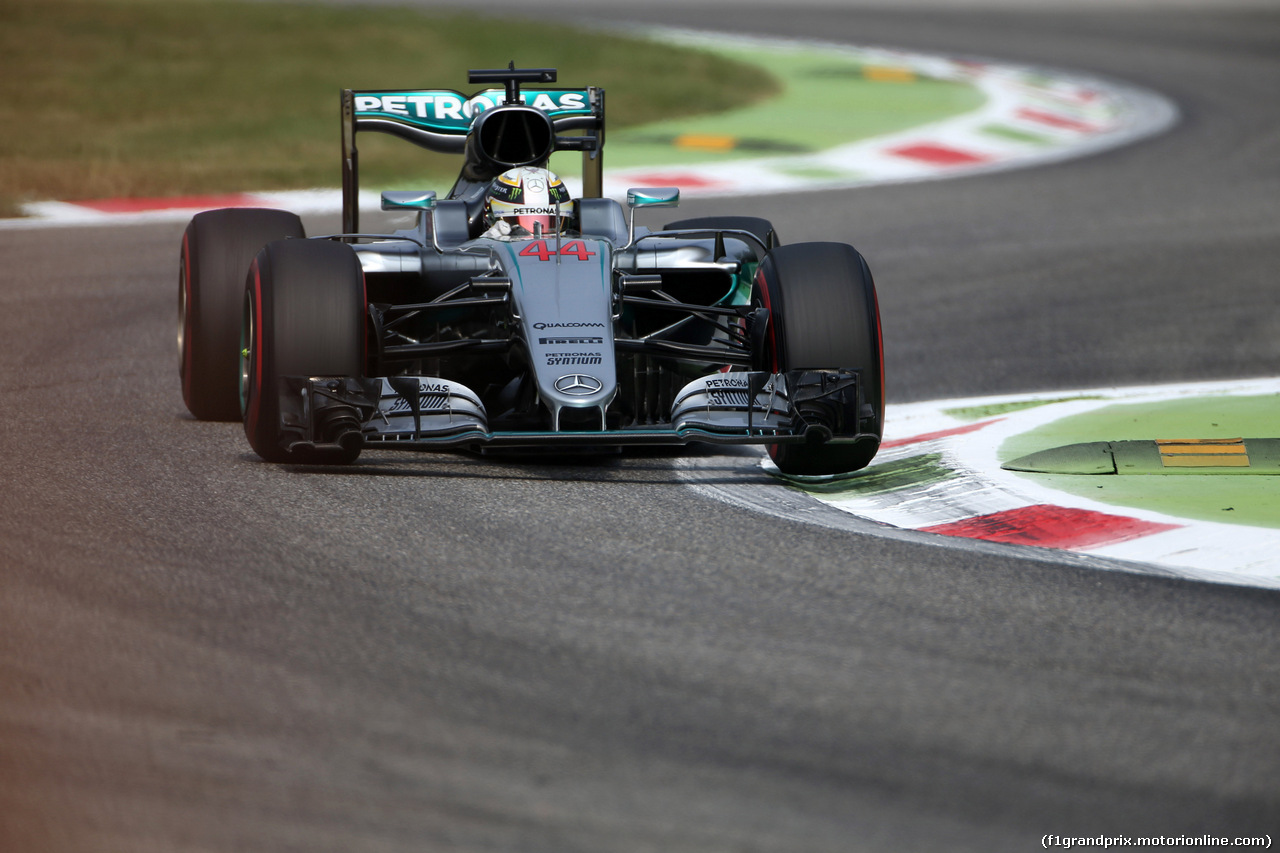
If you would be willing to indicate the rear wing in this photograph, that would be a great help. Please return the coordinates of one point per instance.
(443, 120)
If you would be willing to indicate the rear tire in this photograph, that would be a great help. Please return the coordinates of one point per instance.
(304, 315)
(217, 249)
(824, 315)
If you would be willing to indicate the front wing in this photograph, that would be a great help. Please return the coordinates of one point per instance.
(426, 413)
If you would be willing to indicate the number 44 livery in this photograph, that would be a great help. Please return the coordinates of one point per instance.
(575, 327)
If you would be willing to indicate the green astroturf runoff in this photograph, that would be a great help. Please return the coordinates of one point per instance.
(1194, 452)
(827, 100)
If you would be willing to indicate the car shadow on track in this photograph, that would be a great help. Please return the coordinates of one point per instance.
(648, 466)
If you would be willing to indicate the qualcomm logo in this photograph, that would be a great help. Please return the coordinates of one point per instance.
(578, 384)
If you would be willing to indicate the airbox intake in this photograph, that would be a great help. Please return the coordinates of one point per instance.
(508, 136)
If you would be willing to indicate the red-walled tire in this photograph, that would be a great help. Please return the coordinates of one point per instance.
(216, 251)
(824, 315)
(303, 315)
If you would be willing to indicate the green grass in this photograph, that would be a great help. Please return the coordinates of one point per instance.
(108, 98)
(827, 99)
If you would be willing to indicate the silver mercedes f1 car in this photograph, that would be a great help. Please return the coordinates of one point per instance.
(502, 321)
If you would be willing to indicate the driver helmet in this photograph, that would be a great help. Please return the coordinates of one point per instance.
(527, 197)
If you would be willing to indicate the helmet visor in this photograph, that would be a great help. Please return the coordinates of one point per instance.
(535, 223)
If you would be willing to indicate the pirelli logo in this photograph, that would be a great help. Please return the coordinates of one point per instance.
(563, 341)
(1203, 453)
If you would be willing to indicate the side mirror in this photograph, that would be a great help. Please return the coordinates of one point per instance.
(648, 197)
(653, 197)
(409, 200)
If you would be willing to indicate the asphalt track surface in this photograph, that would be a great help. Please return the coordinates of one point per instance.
(200, 651)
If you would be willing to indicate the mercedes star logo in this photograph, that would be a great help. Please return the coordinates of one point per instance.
(578, 384)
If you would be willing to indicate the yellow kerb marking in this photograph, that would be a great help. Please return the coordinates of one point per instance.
(889, 75)
(1205, 461)
(1203, 453)
(706, 141)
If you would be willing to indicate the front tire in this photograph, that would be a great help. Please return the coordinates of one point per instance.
(823, 315)
(304, 315)
(217, 249)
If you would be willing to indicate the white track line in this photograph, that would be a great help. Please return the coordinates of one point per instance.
(1203, 550)
(1072, 115)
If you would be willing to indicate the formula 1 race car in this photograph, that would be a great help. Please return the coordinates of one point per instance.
(512, 316)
